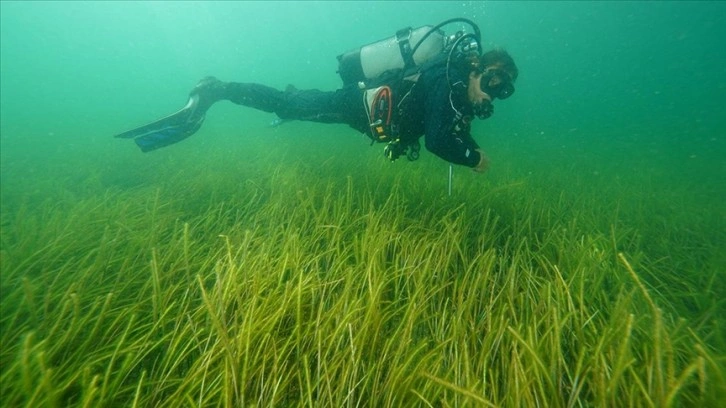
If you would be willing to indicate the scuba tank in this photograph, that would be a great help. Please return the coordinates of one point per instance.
(409, 48)
(394, 53)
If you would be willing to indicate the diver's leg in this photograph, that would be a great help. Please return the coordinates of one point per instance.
(261, 97)
(342, 106)
(255, 96)
(311, 105)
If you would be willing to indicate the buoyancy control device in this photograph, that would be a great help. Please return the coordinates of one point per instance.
(380, 70)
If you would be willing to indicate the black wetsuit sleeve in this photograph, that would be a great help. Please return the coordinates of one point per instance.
(447, 135)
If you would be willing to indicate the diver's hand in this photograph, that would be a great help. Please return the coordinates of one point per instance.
(483, 162)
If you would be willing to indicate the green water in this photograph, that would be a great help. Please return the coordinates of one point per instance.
(643, 79)
(618, 109)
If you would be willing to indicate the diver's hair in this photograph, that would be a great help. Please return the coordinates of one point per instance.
(499, 56)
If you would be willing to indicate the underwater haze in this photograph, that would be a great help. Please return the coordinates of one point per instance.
(293, 265)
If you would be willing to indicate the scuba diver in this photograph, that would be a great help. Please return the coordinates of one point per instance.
(418, 83)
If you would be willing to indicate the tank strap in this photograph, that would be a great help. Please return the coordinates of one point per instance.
(403, 37)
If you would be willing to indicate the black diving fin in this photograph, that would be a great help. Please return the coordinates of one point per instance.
(180, 124)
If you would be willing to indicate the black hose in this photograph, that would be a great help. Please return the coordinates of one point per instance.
(451, 51)
(477, 33)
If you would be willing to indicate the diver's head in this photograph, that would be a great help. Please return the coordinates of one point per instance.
(492, 77)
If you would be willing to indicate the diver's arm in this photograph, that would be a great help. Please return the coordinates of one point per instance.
(445, 136)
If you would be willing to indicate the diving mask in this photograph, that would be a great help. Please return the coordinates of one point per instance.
(497, 83)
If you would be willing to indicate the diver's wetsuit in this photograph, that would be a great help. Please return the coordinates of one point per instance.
(431, 109)
(342, 106)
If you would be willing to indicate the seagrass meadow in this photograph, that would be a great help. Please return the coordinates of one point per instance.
(318, 282)
(295, 266)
